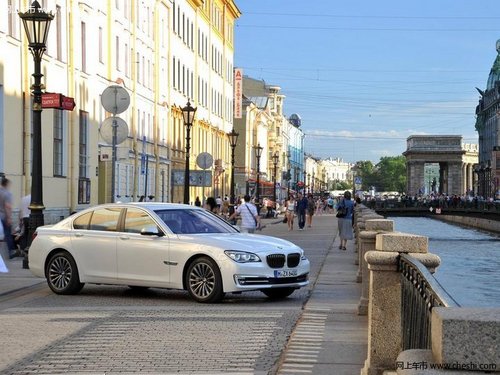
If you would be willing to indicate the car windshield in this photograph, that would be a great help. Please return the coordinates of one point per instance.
(185, 221)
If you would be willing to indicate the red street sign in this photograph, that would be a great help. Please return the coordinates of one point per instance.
(67, 103)
(57, 101)
(300, 184)
(50, 100)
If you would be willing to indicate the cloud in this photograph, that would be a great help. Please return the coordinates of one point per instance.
(374, 134)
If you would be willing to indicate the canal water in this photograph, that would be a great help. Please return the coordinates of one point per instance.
(470, 259)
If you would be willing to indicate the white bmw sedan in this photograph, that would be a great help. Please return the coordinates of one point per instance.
(165, 246)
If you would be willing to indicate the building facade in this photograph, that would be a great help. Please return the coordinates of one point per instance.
(488, 128)
(336, 170)
(163, 53)
(264, 124)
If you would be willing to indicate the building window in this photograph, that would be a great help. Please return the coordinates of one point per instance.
(84, 47)
(138, 68)
(12, 18)
(174, 66)
(58, 33)
(126, 54)
(117, 49)
(100, 46)
(83, 170)
(173, 18)
(58, 142)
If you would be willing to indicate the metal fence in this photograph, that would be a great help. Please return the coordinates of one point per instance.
(420, 293)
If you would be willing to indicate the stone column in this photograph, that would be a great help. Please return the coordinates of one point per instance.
(367, 243)
(464, 178)
(384, 309)
(470, 175)
(415, 176)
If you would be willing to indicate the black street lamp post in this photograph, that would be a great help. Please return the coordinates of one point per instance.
(305, 180)
(288, 175)
(258, 154)
(276, 159)
(36, 24)
(233, 139)
(188, 113)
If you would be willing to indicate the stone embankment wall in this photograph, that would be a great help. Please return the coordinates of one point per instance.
(474, 222)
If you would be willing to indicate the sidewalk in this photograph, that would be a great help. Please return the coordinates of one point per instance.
(330, 337)
(17, 278)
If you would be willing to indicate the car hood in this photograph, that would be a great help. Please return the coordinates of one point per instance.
(245, 242)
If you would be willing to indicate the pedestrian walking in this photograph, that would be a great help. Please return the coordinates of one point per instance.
(301, 209)
(6, 214)
(197, 202)
(250, 219)
(345, 209)
(24, 215)
(290, 211)
(311, 207)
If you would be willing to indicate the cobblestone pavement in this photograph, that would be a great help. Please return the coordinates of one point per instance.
(108, 329)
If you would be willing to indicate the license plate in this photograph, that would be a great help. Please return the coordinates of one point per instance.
(287, 273)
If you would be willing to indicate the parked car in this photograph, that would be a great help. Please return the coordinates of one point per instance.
(164, 245)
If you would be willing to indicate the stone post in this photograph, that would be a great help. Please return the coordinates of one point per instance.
(384, 308)
(367, 243)
(361, 226)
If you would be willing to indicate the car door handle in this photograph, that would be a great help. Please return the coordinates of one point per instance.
(78, 234)
(124, 237)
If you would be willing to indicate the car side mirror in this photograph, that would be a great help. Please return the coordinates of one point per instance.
(151, 230)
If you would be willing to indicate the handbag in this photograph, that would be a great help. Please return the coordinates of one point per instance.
(342, 211)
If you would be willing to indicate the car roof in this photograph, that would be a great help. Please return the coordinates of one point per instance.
(159, 205)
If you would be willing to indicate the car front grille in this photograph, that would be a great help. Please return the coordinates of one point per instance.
(276, 260)
(272, 280)
(293, 260)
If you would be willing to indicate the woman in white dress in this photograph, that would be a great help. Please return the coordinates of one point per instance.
(290, 211)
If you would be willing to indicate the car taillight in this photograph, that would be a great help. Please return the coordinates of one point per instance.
(33, 236)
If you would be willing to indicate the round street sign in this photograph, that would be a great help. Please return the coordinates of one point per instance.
(106, 130)
(204, 160)
(115, 99)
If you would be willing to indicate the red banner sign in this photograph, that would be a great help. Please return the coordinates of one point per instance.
(57, 101)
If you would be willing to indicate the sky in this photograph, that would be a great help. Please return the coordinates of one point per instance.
(364, 75)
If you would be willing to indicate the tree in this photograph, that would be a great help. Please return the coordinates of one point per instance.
(390, 173)
(366, 170)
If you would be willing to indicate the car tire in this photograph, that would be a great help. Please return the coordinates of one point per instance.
(62, 274)
(204, 281)
(278, 293)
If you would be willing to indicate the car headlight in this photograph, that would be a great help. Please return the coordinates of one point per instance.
(242, 256)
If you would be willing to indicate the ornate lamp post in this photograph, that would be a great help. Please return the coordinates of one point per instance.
(276, 159)
(233, 139)
(188, 113)
(36, 24)
(258, 153)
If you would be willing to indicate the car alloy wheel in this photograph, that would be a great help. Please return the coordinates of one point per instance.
(62, 274)
(204, 281)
